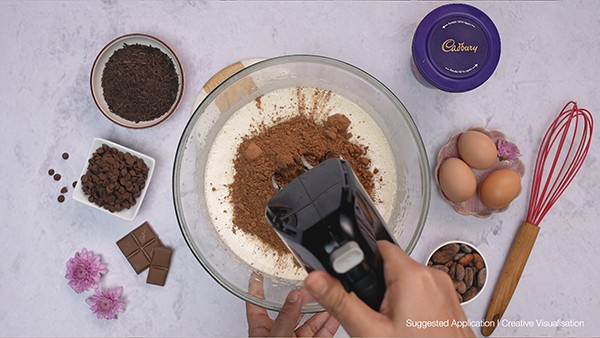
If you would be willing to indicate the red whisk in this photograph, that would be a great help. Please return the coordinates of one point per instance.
(561, 155)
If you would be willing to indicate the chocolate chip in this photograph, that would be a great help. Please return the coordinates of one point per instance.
(51, 172)
(64, 190)
(57, 177)
(61, 198)
(114, 179)
(74, 184)
(65, 156)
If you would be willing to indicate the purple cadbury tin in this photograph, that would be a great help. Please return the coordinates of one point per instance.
(456, 48)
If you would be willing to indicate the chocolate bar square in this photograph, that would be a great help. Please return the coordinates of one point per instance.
(138, 245)
(128, 245)
(157, 276)
(159, 267)
(139, 261)
(150, 246)
(144, 234)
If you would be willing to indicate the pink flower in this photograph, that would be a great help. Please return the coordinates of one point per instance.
(106, 303)
(507, 151)
(84, 270)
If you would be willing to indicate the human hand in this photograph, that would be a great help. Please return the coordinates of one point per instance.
(414, 293)
(286, 324)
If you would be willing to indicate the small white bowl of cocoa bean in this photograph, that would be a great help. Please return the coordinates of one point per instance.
(465, 265)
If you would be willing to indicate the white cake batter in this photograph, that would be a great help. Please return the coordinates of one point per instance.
(284, 103)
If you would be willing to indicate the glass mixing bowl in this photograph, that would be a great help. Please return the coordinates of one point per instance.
(411, 205)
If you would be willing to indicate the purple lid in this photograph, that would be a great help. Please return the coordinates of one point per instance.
(456, 47)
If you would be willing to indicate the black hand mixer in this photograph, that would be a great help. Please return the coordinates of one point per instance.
(329, 222)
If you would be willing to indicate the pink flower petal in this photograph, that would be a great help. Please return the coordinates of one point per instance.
(106, 303)
(507, 151)
(84, 271)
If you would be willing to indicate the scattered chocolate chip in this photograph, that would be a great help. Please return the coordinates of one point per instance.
(51, 172)
(65, 156)
(74, 184)
(61, 198)
(64, 190)
(57, 177)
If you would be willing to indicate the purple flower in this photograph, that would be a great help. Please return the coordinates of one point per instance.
(106, 303)
(84, 270)
(507, 151)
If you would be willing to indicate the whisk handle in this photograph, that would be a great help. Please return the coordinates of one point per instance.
(510, 275)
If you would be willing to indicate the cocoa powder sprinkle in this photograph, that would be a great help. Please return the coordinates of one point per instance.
(276, 151)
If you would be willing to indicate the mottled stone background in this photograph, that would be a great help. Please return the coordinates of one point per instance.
(549, 56)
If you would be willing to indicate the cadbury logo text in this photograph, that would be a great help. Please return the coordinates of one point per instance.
(450, 46)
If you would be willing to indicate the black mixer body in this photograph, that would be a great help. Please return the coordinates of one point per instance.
(329, 222)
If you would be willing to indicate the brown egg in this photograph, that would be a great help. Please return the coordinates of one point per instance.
(457, 180)
(477, 149)
(499, 188)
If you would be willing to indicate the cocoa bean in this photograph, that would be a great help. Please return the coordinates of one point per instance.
(465, 248)
(441, 268)
(460, 298)
(452, 271)
(459, 286)
(455, 283)
(442, 256)
(448, 263)
(478, 261)
(460, 272)
(481, 275)
(466, 260)
(454, 247)
(445, 253)
(469, 276)
(458, 256)
(469, 294)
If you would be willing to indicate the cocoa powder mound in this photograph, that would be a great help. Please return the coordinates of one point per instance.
(276, 151)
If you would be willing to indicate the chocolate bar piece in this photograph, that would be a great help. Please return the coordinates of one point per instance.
(138, 245)
(159, 267)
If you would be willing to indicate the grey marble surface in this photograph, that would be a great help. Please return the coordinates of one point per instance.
(549, 56)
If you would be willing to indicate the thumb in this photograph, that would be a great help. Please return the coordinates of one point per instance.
(354, 315)
(396, 263)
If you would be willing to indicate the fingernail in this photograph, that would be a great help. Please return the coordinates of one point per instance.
(293, 297)
(317, 286)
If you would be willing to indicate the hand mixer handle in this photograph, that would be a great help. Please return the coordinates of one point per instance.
(510, 275)
(370, 288)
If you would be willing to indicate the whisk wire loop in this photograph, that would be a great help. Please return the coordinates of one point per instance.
(566, 143)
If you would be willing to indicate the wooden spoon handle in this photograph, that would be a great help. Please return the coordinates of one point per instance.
(510, 275)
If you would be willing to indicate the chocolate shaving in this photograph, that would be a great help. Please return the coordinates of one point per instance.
(140, 83)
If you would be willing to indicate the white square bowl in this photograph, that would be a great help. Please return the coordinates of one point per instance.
(126, 214)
